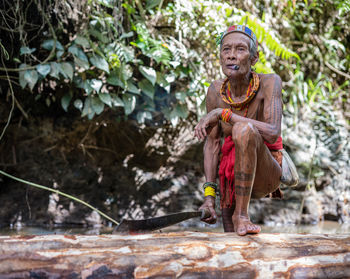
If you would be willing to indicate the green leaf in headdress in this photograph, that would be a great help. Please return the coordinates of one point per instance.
(219, 38)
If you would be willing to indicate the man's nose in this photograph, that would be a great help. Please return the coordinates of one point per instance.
(232, 54)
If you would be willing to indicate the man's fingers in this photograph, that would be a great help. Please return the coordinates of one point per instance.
(213, 217)
(196, 133)
(213, 213)
(198, 130)
(201, 136)
(204, 132)
(209, 220)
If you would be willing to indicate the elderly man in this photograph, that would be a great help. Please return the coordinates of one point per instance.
(246, 108)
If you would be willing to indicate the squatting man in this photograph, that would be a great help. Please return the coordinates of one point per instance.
(246, 108)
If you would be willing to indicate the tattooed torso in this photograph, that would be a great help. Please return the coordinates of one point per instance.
(267, 97)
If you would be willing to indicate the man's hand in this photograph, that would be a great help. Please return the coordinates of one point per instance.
(205, 125)
(209, 204)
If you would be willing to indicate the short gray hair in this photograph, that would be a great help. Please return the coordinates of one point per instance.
(252, 48)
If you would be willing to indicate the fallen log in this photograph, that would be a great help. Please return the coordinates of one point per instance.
(175, 255)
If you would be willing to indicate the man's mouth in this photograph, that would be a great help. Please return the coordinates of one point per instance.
(232, 67)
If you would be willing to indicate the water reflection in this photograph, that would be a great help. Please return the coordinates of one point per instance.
(326, 227)
(60, 230)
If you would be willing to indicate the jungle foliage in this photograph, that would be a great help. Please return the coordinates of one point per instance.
(152, 61)
(143, 61)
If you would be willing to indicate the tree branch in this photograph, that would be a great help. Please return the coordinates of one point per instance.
(52, 53)
(336, 70)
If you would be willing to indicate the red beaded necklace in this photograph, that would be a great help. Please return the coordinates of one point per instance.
(225, 92)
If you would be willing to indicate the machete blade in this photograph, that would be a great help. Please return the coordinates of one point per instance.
(156, 223)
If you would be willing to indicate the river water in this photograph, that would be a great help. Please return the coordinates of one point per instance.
(326, 227)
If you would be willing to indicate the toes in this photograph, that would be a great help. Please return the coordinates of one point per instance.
(247, 228)
(253, 229)
(241, 230)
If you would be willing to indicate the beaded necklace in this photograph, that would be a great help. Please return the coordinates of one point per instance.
(225, 92)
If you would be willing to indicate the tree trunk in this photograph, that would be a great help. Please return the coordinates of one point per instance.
(175, 255)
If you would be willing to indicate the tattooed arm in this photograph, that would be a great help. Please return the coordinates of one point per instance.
(211, 134)
(211, 150)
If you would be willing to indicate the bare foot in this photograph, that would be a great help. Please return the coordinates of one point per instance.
(243, 225)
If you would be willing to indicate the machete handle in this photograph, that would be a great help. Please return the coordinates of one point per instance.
(205, 213)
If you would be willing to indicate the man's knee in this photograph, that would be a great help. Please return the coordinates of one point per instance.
(245, 134)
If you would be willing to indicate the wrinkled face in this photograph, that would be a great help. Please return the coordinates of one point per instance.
(235, 51)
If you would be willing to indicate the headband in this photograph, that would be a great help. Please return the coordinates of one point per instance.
(237, 28)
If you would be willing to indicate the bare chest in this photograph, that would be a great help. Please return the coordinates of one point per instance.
(255, 110)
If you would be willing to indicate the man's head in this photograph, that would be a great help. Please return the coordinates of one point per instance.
(253, 45)
(238, 50)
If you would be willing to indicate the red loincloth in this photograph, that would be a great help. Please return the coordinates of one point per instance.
(226, 169)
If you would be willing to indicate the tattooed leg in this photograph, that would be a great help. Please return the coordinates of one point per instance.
(247, 141)
(227, 214)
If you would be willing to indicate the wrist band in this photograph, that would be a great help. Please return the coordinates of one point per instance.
(226, 115)
(209, 191)
(210, 184)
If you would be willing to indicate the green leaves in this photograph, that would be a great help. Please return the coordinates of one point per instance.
(114, 79)
(97, 105)
(264, 35)
(27, 77)
(55, 71)
(129, 103)
(96, 84)
(48, 45)
(100, 63)
(92, 105)
(78, 104)
(152, 3)
(87, 110)
(80, 57)
(22, 81)
(26, 50)
(142, 116)
(132, 88)
(105, 71)
(126, 35)
(67, 70)
(44, 70)
(106, 98)
(31, 77)
(147, 88)
(86, 85)
(149, 73)
(79, 40)
(95, 63)
(65, 101)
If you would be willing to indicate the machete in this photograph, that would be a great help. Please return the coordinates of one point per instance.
(156, 223)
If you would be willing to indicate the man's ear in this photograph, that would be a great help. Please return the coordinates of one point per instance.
(255, 58)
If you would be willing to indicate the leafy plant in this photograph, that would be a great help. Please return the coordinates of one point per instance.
(131, 66)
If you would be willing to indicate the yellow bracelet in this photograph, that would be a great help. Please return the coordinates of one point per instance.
(209, 191)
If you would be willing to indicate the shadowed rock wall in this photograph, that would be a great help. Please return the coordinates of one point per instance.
(129, 171)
